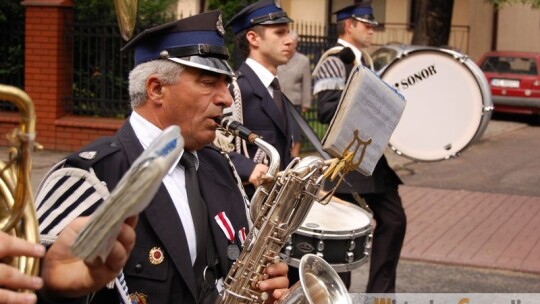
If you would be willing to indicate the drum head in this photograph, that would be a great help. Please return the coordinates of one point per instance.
(337, 217)
(445, 103)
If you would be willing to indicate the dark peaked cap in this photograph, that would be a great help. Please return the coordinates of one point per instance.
(196, 41)
(262, 12)
(362, 12)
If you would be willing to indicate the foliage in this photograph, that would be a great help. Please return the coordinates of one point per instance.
(11, 48)
(149, 13)
(11, 10)
(501, 3)
(100, 77)
(229, 8)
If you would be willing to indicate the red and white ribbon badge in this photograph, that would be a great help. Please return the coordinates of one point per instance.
(242, 235)
(225, 225)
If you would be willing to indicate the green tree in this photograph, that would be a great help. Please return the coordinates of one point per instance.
(11, 48)
(229, 8)
(149, 13)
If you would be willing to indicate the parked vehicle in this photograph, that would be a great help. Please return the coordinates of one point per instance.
(514, 78)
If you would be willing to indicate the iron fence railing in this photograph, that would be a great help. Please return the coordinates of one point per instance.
(100, 71)
(12, 63)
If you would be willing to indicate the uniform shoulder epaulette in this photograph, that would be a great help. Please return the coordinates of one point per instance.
(330, 52)
(93, 153)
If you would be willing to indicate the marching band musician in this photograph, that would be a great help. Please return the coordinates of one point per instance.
(262, 37)
(355, 28)
(181, 250)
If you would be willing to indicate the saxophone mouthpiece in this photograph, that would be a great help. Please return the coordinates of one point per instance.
(236, 128)
(218, 120)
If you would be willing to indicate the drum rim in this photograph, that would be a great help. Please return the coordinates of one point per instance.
(341, 267)
(321, 234)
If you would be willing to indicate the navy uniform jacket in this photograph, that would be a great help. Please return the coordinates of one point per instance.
(171, 281)
(328, 100)
(261, 115)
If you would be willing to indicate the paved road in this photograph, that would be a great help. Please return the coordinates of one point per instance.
(476, 218)
(505, 160)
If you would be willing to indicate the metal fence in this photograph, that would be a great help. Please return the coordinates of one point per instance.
(100, 71)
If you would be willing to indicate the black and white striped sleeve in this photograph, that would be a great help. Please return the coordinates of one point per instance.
(330, 74)
(66, 194)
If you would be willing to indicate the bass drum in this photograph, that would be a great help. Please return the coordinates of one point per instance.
(448, 100)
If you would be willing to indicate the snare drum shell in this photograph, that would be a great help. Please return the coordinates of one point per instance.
(448, 101)
(339, 232)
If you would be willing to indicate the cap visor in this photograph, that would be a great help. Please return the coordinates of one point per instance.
(279, 20)
(370, 22)
(212, 64)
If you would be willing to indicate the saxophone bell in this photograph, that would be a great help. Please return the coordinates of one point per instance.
(319, 283)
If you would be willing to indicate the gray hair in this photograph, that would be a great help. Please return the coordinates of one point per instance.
(168, 74)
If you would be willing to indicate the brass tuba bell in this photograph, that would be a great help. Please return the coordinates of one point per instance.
(126, 13)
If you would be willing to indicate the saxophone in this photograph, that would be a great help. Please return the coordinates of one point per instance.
(277, 209)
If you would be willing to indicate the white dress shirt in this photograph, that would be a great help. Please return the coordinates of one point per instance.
(264, 74)
(174, 181)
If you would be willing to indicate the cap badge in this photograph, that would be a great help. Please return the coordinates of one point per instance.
(156, 256)
(88, 155)
(219, 26)
(277, 3)
(164, 54)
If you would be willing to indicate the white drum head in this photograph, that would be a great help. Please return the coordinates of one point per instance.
(336, 216)
(444, 104)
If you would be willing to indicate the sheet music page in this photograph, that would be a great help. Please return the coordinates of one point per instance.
(371, 106)
(132, 195)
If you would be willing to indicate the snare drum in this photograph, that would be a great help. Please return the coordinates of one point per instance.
(338, 232)
(448, 100)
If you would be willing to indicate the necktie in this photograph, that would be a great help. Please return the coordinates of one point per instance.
(278, 98)
(196, 202)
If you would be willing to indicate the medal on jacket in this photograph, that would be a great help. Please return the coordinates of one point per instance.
(138, 298)
(156, 256)
(233, 251)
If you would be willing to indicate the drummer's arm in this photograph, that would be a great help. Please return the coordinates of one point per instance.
(328, 101)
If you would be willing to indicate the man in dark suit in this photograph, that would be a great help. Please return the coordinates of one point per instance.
(355, 28)
(262, 36)
(180, 78)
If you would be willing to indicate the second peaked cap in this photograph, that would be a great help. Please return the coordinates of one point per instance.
(263, 12)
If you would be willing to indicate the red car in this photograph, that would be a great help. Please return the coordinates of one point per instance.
(514, 78)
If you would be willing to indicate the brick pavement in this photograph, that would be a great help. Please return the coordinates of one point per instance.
(467, 228)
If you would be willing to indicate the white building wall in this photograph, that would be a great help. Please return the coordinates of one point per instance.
(186, 8)
(519, 28)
